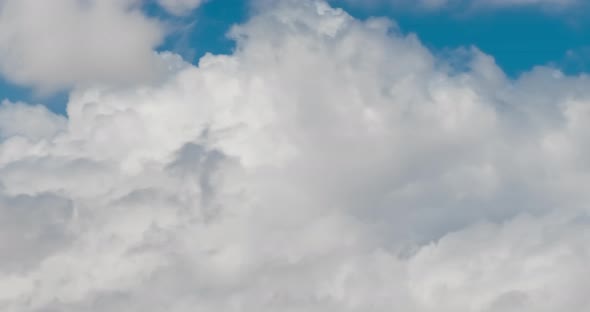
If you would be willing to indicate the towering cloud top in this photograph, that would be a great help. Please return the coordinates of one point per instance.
(327, 164)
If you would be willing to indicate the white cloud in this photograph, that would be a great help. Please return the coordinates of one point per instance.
(474, 4)
(33, 122)
(328, 164)
(59, 44)
(180, 7)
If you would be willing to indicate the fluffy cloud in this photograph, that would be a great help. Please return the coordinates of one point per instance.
(328, 164)
(34, 122)
(59, 44)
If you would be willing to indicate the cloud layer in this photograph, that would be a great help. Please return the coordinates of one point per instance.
(328, 164)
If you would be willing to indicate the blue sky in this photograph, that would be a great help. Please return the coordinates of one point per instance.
(518, 39)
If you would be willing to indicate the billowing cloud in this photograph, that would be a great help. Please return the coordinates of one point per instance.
(328, 164)
(52, 45)
(34, 122)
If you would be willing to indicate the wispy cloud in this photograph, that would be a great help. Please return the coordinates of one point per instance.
(473, 5)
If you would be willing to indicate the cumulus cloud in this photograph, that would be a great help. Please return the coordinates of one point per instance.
(34, 122)
(52, 45)
(328, 164)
